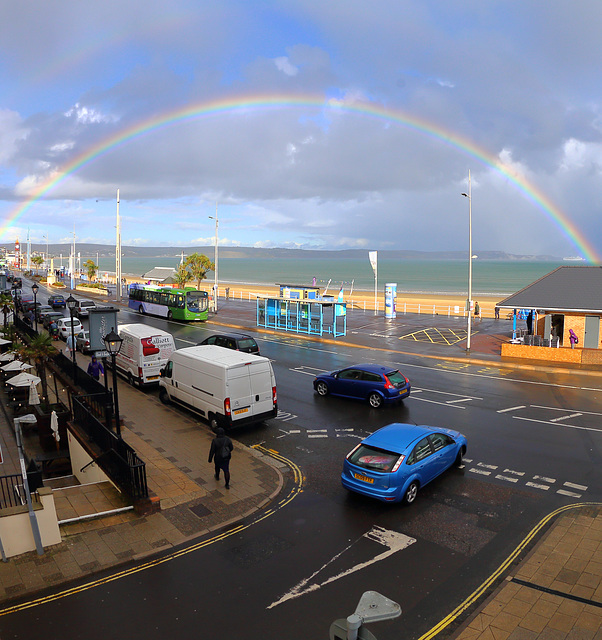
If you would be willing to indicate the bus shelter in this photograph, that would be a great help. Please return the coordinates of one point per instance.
(311, 317)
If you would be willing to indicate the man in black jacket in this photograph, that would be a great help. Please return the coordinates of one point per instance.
(220, 453)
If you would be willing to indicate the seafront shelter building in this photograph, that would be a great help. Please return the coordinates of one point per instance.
(568, 299)
(160, 275)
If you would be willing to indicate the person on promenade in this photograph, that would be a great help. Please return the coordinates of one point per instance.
(530, 323)
(69, 345)
(95, 369)
(573, 338)
(497, 312)
(477, 311)
(220, 453)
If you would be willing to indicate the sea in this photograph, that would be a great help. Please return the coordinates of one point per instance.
(448, 277)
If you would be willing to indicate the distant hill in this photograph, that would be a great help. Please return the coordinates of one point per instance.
(103, 250)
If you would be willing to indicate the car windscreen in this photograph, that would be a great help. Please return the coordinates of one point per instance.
(196, 301)
(372, 458)
(396, 378)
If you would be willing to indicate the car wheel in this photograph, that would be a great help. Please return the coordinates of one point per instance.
(169, 315)
(322, 388)
(130, 379)
(460, 456)
(140, 309)
(164, 396)
(411, 493)
(375, 400)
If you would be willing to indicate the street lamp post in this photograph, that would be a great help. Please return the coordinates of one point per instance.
(113, 344)
(215, 258)
(34, 290)
(469, 301)
(71, 304)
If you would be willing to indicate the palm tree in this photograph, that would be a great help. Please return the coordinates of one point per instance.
(91, 267)
(40, 350)
(197, 265)
(37, 260)
(7, 304)
(182, 276)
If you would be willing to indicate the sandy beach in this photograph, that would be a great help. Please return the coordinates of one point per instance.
(411, 303)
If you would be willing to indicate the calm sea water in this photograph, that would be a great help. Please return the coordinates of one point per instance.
(411, 276)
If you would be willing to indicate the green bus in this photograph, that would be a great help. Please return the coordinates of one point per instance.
(174, 304)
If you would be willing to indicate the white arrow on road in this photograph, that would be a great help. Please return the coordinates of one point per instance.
(392, 540)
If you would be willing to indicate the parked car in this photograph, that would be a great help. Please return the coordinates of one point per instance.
(374, 383)
(64, 326)
(51, 317)
(82, 341)
(83, 306)
(30, 305)
(57, 301)
(396, 461)
(236, 341)
(42, 310)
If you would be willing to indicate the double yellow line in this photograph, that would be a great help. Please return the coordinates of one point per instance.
(293, 493)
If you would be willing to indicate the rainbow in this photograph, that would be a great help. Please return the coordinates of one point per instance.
(246, 103)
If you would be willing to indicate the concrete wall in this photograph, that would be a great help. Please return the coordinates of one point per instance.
(551, 354)
(79, 459)
(15, 526)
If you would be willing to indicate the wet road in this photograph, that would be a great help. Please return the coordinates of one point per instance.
(534, 444)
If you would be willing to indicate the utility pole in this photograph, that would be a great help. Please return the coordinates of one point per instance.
(118, 255)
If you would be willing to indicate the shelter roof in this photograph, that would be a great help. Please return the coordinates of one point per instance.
(569, 288)
(160, 274)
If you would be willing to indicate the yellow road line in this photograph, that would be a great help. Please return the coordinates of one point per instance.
(294, 492)
(475, 595)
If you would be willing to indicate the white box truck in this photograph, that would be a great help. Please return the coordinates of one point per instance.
(228, 388)
(144, 352)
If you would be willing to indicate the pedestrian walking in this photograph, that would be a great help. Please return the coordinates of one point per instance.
(227, 293)
(69, 345)
(573, 338)
(477, 310)
(530, 323)
(95, 369)
(220, 453)
(497, 312)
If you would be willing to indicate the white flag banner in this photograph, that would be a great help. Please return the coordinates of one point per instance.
(373, 255)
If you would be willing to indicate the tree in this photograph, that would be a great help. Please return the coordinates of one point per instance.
(92, 268)
(182, 276)
(197, 265)
(38, 261)
(6, 305)
(40, 349)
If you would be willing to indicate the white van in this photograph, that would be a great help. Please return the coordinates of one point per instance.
(228, 388)
(144, 352)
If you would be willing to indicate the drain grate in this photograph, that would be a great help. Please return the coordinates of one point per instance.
(200, 510)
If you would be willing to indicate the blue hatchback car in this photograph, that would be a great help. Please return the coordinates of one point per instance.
(375, 383)
(394, 462)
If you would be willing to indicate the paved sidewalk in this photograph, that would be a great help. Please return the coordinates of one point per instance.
(555, 593)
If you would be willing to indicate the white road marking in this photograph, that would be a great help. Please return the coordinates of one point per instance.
(392, 540)
(459, 400)
(588, 413)
(559, 424)
(575, 486)
(487, 466)
(522, 406)
(344, 429)
(499, 477)
(443, 404)
(467, 459)
(448, 393)
(545, 487)
(572, 415)
(317, 431)
(544, 479)
(516, 473)
(318, 435)
(483, 473)
(570, 494)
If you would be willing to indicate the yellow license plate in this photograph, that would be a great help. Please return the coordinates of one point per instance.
(237, 412)
(363, 478)
(153, 378)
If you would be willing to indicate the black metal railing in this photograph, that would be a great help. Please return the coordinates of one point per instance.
(117, 459)
(12, 493)
(24, 327)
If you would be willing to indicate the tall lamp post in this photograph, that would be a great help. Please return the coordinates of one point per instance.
(215, 258)
(34, 290)
(469, 301)
(71, 304)
(113, 344)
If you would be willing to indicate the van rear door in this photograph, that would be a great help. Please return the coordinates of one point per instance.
(261, 387)
(239, 391)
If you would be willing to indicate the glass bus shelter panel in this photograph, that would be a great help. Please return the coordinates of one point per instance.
(302, 316)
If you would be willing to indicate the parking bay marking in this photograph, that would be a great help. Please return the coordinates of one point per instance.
(392, 540)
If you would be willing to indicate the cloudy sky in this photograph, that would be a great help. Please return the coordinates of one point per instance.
(344, 124)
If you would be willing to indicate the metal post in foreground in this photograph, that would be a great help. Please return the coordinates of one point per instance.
(34, 289)
(71, 304)
(113, 343)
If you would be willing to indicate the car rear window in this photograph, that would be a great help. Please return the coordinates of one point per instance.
(396, 378)
(372, 458)
(247, 343)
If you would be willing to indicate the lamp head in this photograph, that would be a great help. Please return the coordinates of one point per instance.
(71, 302)
(113, 342)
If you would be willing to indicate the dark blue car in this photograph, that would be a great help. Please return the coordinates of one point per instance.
(396, 461)
(376, 384)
